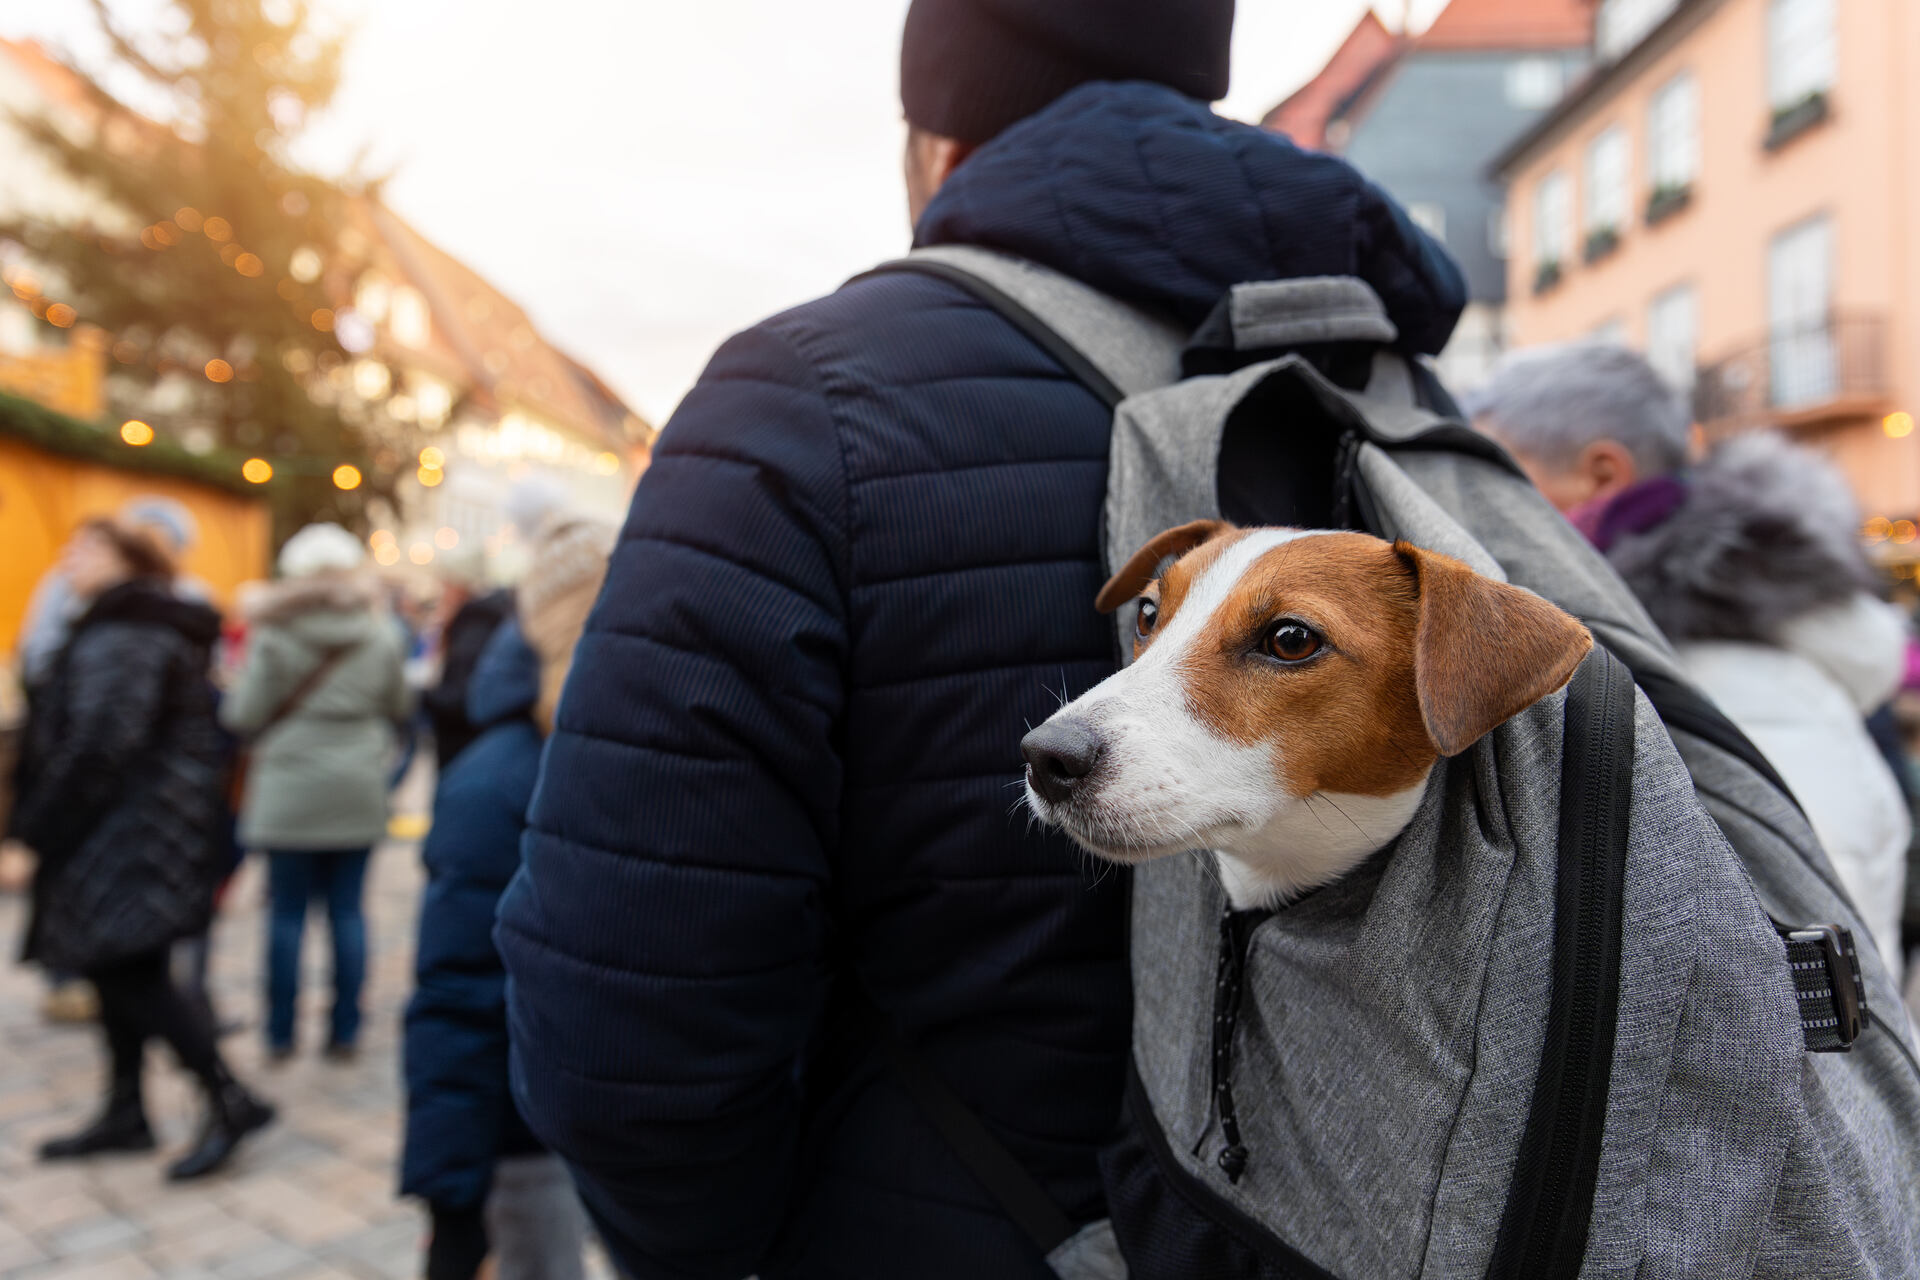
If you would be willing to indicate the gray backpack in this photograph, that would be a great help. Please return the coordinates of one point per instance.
(1600, 1010)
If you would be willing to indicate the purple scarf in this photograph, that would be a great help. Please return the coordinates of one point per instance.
(1635, 509)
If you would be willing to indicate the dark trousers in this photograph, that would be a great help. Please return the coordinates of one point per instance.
(295, 880)
(139, 1002)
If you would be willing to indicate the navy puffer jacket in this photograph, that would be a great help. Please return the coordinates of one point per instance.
(460, 1114)
(862, 563)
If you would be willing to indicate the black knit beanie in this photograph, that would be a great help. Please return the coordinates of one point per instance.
(970, 68)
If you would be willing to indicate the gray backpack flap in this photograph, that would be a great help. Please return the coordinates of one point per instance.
(1554, 1029)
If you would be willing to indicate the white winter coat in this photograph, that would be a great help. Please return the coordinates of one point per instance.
(1802, 703)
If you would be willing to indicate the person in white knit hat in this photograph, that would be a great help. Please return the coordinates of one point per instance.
(318, 696)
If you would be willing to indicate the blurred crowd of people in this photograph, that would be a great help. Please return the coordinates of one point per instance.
(159, 745)
(773, 803)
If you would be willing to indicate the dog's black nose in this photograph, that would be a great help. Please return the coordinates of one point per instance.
(1060, 754)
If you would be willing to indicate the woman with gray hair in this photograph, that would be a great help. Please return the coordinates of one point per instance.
(1750, 563)
(318, 697)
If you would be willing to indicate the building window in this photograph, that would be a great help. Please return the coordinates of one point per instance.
(1673, 323)
(370, 296)
(1430, 218)
(1620, 24)
(1606, 180)
(1800, 51)
(410, 323)
(1552, 222)
(1612, 333)
(1533, 83)
(1673, 134)
(1799, 306)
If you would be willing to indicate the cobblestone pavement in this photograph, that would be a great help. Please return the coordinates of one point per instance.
(310, 1198)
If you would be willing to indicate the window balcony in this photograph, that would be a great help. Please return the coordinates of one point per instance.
(1815, 375)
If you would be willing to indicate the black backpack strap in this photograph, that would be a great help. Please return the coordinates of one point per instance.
(1827, 984)
(1543, 1232)
(999, 1173)
(1683, 707)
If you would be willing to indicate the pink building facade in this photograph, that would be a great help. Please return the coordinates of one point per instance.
(1735, 189)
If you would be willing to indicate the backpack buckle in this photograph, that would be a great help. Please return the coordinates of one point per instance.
(1837, 1009)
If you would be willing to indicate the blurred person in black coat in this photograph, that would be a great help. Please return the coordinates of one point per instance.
(121, 796)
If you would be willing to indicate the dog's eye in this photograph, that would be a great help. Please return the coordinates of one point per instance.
(1292, 641)
(1145, 616)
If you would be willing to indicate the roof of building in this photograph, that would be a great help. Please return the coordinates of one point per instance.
(1304, 115)
(493, 347)
(1510, 24)
(1601, 83)
(53, 78)
(1368, 55)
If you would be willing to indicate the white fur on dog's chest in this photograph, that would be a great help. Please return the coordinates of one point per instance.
(1314, 843)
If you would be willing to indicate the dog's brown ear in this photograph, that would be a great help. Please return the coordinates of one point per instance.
(1484, 651)
(1144, 567)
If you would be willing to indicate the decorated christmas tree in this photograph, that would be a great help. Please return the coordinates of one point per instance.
(212, 282)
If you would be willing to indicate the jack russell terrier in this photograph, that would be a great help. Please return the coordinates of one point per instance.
(1290, 694)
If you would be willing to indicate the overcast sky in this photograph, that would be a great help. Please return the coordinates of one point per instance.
(648, 177)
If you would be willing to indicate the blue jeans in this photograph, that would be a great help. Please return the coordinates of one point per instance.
(294, 880)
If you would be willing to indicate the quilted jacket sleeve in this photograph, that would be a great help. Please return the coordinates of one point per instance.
(459, 1114)
(664, 938)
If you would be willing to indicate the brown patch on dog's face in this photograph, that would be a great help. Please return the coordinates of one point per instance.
(1360, 662)
(1344, 719)
(1143, 566)
(1165, 594)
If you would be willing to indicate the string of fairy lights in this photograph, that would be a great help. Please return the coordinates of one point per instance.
(304, 268)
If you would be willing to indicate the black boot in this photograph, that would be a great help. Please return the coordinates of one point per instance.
(232, 1114)
(122, 1126)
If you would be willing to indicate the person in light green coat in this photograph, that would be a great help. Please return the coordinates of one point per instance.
(317, 698)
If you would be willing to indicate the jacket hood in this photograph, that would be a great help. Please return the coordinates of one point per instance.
(1861, 643)
(1147, 195)
(322, 609)
(145, 600)
(1764, 535)
(506, 680)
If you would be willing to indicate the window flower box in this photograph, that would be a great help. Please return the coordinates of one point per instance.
(1668, 199)
(1795, 118)
(1601, 241)
(1546, 275)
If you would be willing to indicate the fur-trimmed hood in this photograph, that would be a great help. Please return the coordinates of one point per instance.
(288, 598)
(1766, 533)
(324, 610)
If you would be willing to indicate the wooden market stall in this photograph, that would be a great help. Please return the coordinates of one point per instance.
(56, 471)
